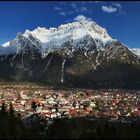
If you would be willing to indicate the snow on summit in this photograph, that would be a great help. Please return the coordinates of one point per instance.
(136, 51)
(6, 44)
(75, 31)
(54, 37)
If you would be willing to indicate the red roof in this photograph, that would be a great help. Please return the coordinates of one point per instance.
(74, 109)
(45, 108)
(136, 112)
(47, 114)
(1, 102)
(17, 105)
(35, 100)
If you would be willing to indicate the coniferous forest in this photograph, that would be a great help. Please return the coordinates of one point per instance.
(12, 127)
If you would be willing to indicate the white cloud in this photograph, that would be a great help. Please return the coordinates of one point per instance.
(82, 18)
(75, 9)
(57, 8)
(83, 9)
(62, 13)
(119, 8)
(73, 6)
(109, 9)
(118, 5)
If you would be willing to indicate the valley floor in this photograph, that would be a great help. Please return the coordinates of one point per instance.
(50, 102)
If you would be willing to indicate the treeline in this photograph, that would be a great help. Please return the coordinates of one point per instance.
(12, 127)
(93, 129)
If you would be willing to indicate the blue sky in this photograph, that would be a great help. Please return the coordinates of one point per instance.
(121, 19)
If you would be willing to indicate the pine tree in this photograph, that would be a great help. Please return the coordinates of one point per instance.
(33, 105)
(3, 108)
(11, 110)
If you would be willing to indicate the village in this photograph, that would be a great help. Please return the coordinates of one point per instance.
(49, 103)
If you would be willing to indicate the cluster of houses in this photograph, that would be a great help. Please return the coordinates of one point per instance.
(52, 103)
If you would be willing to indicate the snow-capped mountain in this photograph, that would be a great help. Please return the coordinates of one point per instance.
(136, 51)
(7, 44)
(77, 54)
(54, 38)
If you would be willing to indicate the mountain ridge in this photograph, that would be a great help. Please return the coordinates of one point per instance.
(80, 54)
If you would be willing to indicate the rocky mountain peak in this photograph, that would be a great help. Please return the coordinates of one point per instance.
(78, 53)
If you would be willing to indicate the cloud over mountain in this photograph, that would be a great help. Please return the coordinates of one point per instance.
(109, 9)
(82, 18)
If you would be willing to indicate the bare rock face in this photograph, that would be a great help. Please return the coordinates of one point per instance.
(79, 54)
